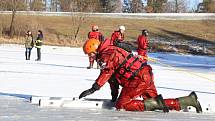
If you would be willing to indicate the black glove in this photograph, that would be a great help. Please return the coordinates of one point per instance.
(89, 91)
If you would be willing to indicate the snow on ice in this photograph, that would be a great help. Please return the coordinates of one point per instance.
(62, 73)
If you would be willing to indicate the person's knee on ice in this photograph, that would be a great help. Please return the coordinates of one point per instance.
(134, 105)
(136, 78)
(156, 103)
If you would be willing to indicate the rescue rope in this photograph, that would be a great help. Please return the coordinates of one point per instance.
(177, 69)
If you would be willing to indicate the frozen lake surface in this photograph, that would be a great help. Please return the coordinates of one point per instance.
(62, 73)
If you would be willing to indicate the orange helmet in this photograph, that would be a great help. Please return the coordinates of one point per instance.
(95, 27)
(91, 45)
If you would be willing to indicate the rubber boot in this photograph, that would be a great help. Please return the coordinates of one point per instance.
(152, 104)
(190, 100)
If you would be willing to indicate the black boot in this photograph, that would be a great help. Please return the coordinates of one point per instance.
(29, 55)
(38, 54)
(190, 100)
(26, 55)
(90, 66)
(155, 103)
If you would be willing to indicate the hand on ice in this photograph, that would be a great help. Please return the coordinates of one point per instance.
(86, 92)
(89, 91)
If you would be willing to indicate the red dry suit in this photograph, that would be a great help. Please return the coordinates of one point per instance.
(117, 36)
(142, 42)
(96, 35)
(132, 73)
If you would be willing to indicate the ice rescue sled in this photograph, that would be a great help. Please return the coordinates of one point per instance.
(72, 102)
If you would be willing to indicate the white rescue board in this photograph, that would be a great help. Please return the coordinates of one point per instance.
(72, 102)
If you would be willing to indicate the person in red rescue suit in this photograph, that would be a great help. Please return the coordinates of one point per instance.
(136, 78)
(118, 36)
(96, 35)
(142, 42)
(117, 39)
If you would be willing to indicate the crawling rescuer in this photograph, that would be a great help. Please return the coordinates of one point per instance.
(120, 67)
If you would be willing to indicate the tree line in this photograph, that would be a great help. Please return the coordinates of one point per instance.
(106, 6)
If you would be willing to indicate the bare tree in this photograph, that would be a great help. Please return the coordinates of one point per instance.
(81, 5)
(14, 5)
(37, 5)
(176, 6)
(8, 5)
(55, 5)
(137, 6)
(65, 5)
(156, 6)
(180, 6)
(77, 22)
(170, 7)
(211, 7)
(112, 6)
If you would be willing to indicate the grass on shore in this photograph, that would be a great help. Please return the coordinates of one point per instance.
(60, 30)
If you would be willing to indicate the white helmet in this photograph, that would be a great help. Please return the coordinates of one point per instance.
(122, 27)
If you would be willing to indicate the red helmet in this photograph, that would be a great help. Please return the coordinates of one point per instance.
(95, 27)
(91, 45)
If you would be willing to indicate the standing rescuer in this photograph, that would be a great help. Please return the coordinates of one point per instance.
(142, 42)
(118, 36)
(29, 44)
(136, 78)
(117, 39)
(39, 42)
(94, 34)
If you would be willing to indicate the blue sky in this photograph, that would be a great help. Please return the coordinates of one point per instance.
(193, 3)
